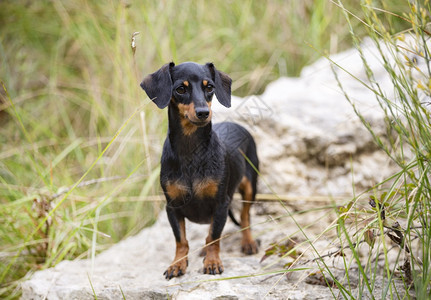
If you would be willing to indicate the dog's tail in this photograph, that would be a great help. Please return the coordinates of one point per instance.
(232, 217)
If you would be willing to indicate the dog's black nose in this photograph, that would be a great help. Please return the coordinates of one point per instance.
(202, 113)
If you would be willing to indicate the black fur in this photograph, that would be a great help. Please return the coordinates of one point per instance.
(201, 165)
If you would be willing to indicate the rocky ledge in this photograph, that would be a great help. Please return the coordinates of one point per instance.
(133, 268)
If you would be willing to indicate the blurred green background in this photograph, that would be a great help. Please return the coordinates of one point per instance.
(72, 111)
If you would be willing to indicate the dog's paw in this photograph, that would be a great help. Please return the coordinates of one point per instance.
(213, 266)
(249, 247)
(177, 269)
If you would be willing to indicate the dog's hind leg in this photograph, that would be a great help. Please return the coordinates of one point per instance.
(248, 193)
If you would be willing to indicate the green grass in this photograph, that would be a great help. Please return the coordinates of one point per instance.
(395, 222)
(79, 140)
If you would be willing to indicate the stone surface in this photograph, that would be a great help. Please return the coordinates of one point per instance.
(134, 267)
(308, 127)
(310, 142)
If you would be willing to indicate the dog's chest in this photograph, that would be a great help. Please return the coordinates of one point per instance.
(182, 190)
(195, 200)
(193, 181)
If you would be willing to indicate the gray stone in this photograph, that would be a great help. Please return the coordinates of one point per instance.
(309, 119)
(134, 267)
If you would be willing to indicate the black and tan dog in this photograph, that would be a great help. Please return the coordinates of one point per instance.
(202, 165)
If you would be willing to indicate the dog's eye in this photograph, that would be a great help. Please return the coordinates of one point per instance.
(181, 89)
(209, 88)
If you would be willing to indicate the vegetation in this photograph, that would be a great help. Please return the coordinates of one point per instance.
(396, 222)
(80, 141)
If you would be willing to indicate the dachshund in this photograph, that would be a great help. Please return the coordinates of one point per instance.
(202, 164)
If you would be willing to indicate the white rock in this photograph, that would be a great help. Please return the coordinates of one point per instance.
(310, 119)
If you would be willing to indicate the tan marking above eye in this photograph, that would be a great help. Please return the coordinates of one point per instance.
(206, 188)
(186, 83)
(205, 82)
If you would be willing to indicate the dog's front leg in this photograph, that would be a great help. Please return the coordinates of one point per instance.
(179, 265)
(212, 261)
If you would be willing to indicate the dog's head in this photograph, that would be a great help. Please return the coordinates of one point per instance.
(190, 87)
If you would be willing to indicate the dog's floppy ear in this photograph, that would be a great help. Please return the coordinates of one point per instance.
(222, 85)
(158, 85)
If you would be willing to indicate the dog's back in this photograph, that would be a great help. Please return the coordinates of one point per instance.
(244, 167)
(241, 149)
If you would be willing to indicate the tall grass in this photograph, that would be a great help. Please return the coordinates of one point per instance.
(80, 142)
(394, 222)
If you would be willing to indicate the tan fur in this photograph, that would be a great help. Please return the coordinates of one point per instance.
(179, 265)
(176, 190)
(212, 259)
(206, 188)
(187, 112)
(248, 245)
